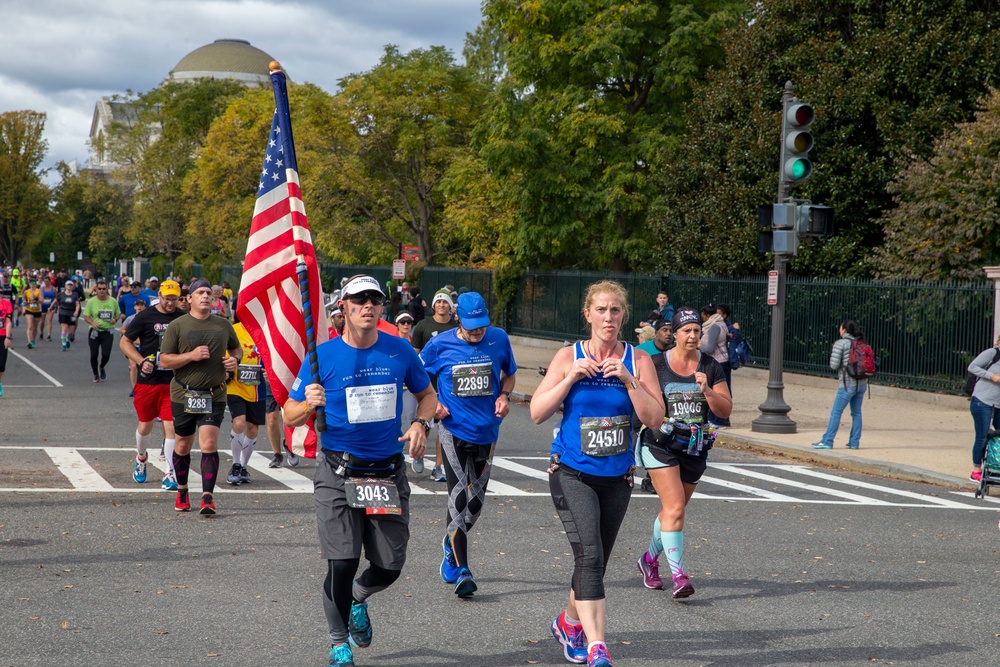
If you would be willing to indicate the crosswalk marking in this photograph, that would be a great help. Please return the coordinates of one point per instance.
(75, 468)
(516, 476)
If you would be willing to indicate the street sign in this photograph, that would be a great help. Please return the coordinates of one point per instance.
(410, 252)
(52, 258)
(772, 288)
(398, 269)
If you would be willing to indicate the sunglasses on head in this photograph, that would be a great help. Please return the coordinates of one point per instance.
(365, 297)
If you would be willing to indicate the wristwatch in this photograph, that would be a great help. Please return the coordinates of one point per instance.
(505, 393)
(426, 424)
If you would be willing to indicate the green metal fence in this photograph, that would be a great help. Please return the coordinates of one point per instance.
(924, 334)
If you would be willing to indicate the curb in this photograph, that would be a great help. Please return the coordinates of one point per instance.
(847, 462)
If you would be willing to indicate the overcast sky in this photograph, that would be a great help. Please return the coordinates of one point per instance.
(61, 56)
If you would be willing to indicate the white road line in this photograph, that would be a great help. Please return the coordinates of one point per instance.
(291, 479)
(28, 386)
(801, 470)
(507, 464)
(799, 485)
(40, 371)
(496, 488)
(736, 486)
(194, 479)
(71, 463)
(971, 494)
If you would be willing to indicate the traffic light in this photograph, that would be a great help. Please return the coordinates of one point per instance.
(815, 220)
(784, 218)
(796, 142)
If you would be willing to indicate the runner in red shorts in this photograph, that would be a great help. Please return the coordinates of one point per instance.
(141, 344)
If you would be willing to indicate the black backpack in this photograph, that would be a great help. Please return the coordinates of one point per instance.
(971, 380)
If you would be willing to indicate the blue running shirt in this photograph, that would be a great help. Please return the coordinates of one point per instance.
(603, 398)
(364, 394)
(469, 381)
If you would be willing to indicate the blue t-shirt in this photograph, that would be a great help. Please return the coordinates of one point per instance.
(364, 393)
(147, 294)
(600, 406)
(469, 381)
(127, 303)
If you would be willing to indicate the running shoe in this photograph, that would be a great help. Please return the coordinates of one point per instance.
(360, 625)
(162, 453)
(49, 338)
(234, 474)
(131, 394)
(976, 476)
(1, 390)
(437, 474)
(466, 585)
(450, 570)
(139, 471)
(852, 446)
(183, 502)
(341, 656)
(293, 458)
(97, 378)
(682, 587)
(417, 464)
(647, 485)
(31, 346)
(650, 569)
(72, 338)
(822, 445)
(169, 483)
(572, 638)
(244, 475)
(598, 656)
(104, 375)
(65, 346)
(207, 504)
(276, 461)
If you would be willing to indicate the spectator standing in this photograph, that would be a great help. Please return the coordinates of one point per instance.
(663, 310)
(984, 403)
(849, 392)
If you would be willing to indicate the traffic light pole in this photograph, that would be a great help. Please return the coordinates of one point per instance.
(774, 411)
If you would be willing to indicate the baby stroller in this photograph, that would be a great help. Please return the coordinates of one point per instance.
(991, 465)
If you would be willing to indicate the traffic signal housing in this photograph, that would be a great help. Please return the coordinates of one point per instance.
(796, 142)
(814, 221)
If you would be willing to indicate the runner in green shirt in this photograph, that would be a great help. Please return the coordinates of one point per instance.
(101, 313)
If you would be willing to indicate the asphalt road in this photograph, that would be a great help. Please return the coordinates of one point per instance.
(792, 565)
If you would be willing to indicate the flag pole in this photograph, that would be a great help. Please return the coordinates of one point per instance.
(303, 274)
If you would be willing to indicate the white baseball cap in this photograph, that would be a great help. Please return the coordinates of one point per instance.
(361, 284)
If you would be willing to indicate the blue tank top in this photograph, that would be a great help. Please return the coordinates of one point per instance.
(48, 296)
(597, 417)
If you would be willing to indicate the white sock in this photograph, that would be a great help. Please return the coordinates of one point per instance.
(168, 453)
(247, 452)
(236, 445)
(142, 444)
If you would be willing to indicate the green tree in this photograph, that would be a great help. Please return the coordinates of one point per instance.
(592, 98)
(83, 202)
(885, 79)
(23, 195)
(398, 127)
(947, 213)
(221, 189)
(155, 142)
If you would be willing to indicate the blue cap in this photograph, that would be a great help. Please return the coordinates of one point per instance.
(472, 311)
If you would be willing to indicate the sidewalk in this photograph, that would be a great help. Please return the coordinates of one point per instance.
(911, 435)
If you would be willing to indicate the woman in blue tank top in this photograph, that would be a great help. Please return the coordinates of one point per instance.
(49, 306)
(601, 384)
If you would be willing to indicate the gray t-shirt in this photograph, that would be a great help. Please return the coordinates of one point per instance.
(986, 389)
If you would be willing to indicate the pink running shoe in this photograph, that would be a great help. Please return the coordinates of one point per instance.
(572, 638)
(976, 476)
(682, 587)
(650, 569)
(598, 656)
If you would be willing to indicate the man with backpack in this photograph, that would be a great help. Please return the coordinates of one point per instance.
(854, 361)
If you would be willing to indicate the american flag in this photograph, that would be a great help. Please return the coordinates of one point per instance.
(270, 304)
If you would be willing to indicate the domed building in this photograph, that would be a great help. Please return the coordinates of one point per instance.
(222, 59)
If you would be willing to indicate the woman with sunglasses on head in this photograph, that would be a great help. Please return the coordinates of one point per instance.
(476, 373)
(675, 454)
(602, 384)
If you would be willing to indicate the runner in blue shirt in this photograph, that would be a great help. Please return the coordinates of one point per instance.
(601, 383)
(361, 494)
(476, 373)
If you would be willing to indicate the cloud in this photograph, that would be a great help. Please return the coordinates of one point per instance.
(61, 56)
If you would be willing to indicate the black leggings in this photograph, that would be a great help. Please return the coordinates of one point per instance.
(467, 468)
(340, 589)
(592, 509)
(3, 354)
(100, 341)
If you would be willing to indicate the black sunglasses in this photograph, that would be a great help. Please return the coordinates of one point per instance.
(365, 297)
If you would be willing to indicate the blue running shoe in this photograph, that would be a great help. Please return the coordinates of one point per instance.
(341, 656)
(449, 566)
(598, 656)
(139, 472)
(359, 625)
(169, 483)
(466, 585)
(572, 638)
(1, 389)
(822, 445)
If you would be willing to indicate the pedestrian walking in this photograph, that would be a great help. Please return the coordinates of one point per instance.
(850, 392)
(984, 403)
